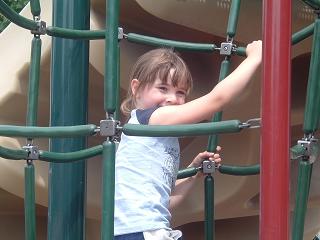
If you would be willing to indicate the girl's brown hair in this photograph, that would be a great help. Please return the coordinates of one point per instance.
(157, 64)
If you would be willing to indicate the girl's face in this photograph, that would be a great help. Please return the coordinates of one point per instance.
(159, 94)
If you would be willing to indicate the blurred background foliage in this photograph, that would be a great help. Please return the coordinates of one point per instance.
(16, 5)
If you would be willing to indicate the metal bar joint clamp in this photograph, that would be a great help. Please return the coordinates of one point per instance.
(311, 146)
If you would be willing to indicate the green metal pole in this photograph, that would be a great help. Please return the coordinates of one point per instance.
(29, 202)
(32, 111)
(107, 229)
(111, 57)
(312, 113)
(213, 139)
(69, 92)
(209, 207)
(304, 177)
(233, 18)
(34, 76)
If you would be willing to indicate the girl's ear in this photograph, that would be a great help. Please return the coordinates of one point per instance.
(134, 86)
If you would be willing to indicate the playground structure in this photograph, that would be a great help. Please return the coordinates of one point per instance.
(110, 101)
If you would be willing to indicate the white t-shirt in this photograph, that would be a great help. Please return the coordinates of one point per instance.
(146, 170)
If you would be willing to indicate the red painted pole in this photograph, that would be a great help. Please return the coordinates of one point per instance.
(275, 133)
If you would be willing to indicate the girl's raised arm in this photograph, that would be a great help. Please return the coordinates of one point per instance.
(204, 107)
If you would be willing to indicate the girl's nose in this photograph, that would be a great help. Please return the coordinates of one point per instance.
(172, 99)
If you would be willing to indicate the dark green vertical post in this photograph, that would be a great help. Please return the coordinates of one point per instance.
(213, 139)
(233, 18)
(111, 57)
(107, 228)
(209, 207)
(32, 112)
(312, 113)
(69, 93)
(29, 203)
(304, 177)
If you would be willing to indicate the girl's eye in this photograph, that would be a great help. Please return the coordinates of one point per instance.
(181, 93)
(163, 89)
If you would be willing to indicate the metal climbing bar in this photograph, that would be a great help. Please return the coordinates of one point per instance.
(304, 178)
(35, 7)
(14, 154)
(70, 156)
(29, 202)
(56, 157)
(312, 113)
(199, 129)
(153, 41)
(34, 76)
(302, 34)
(52, 132)
(274, 174)
(209, 228)
(233, 18)
(213, 139)
(240, 170)
(108, 188)
(16, 18)
(187, 172)
(111, 57)
(75, 33)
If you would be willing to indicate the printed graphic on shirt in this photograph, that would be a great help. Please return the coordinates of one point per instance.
(171, 166)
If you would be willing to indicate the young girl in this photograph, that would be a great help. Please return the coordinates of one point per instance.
(146, 167)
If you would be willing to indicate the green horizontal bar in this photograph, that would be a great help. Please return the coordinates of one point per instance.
(75, 34)
(240, 170)
(40, 132)
(199, 129)
(241, 51)
(188, 172)
(14, 154)
(71, 156)
(302, 34)
(153, 41)
(14, 17)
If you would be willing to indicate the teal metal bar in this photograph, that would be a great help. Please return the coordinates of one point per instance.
(240, 170)
(304, 178)
(71, 156)
(107, 227)
(16, 18)
(29, 203)
(76, 34)
(188, 172)
(111, 57)
(209, 208)
(233, 18)
(230, 126)
(44, 132)
(213, 139)
(69, 94)
(35, 7)
(14, 154)
(302, 34)
(34, 76)
(241, 51)
(159, 42)
(312, 113)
